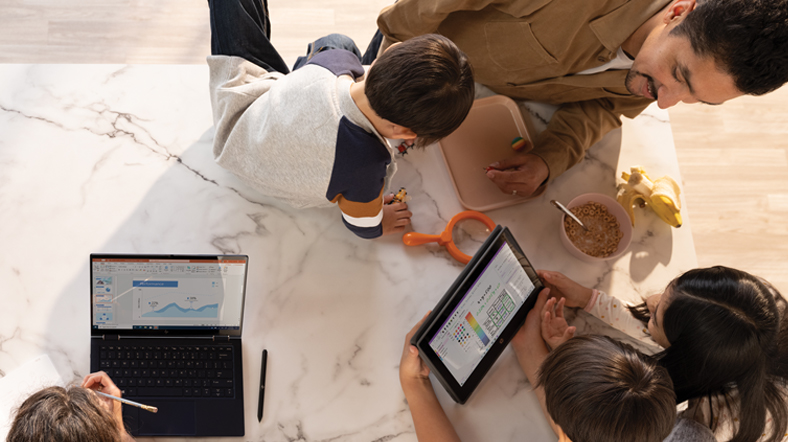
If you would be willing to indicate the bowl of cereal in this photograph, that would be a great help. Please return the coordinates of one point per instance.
(609, 228)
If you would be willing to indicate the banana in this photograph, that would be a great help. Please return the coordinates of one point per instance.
(662, 195)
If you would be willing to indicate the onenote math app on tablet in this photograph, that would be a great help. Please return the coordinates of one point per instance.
(478, 316)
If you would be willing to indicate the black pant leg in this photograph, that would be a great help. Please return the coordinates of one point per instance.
(242, 28)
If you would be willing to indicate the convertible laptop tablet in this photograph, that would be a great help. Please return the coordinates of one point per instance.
(475, 320)
(167, 329)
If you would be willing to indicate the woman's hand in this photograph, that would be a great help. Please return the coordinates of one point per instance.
(413, 371)
(100, 381)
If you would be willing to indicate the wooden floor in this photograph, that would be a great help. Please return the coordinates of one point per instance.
(733, 158)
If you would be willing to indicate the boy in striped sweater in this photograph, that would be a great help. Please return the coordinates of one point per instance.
(327, 132)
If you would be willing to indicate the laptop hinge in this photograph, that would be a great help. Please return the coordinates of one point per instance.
(221, 338)
(110, 337)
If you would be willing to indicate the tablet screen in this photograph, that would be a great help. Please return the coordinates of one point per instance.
(482, 315)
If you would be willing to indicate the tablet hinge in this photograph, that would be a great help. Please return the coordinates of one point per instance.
(110, 337)
(221, 338)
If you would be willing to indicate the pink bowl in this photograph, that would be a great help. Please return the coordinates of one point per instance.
(614, 208)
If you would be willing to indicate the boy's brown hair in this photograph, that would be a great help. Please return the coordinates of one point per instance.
(424, 84)
(57, 414)
(599, 389)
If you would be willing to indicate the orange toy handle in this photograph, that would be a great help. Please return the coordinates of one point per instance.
(417, 239)
(445, 238)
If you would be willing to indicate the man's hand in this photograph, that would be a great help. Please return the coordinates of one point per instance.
(575, 294)
(523, 174)
(555, 330)
(395, 216)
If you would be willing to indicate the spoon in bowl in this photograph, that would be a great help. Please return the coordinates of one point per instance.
(561, 207)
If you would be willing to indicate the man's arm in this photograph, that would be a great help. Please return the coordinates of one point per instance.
(409, 18)
(429, 419)
(406, 19)
(572, 130)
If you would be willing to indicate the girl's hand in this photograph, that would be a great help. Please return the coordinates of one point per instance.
(560, 286)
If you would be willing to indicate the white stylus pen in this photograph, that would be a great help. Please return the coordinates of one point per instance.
(126, 401)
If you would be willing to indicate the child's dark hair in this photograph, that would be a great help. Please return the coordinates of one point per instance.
(599, 389)
(727, 332)
(66, 415)
(424, 84)
(748, 38)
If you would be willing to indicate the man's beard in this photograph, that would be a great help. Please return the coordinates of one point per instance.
(630, 80)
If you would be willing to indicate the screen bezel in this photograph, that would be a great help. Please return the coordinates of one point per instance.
(434, 322)
(168, 331)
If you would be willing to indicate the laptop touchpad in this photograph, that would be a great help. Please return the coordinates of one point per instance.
(175, 418)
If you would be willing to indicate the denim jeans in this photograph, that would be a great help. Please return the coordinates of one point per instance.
(242, 28)
(332, 41)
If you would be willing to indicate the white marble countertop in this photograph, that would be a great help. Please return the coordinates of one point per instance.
(105, 158)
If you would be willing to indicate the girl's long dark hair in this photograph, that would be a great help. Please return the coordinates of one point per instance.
(728, 332)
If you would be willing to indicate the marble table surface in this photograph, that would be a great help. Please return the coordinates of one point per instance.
(110, 158)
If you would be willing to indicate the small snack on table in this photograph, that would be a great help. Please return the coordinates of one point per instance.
(603, 234)
(518, 143)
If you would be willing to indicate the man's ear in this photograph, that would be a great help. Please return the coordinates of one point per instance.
(401, 132)
(678, 9)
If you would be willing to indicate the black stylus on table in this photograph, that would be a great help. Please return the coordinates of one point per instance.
(262, 387)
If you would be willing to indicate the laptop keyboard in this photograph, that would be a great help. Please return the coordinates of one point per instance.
(204, 371)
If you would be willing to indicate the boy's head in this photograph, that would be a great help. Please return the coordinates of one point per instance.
(424, 84)
(600, 389)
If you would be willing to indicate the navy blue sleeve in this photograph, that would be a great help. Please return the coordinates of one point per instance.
(358, 178)
(339, 62)
(360, 163)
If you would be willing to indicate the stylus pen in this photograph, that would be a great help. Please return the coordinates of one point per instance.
(126, 401)
(262, 387)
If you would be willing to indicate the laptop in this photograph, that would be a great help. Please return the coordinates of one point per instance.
(167, 330)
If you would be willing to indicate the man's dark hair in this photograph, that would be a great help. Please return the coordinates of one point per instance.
(599, 389)
(424, 84)
(747, 38)
(58, 414)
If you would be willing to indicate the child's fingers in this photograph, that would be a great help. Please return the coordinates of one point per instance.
(402, 222)
(559, 309)
(546, 330)
(548, 306)
(404, 214)
(569, 333)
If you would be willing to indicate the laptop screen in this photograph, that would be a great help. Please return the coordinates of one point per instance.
(167, 292)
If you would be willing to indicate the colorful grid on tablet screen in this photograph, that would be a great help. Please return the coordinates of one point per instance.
(477, 328)
(461, 334)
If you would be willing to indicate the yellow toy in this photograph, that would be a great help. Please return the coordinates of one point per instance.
(400, 197)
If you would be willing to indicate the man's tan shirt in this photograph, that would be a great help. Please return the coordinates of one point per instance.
(530, 49)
